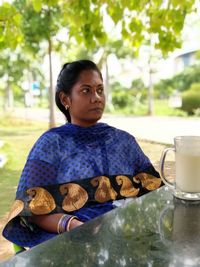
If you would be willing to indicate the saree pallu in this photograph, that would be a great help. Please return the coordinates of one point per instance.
(55, 177)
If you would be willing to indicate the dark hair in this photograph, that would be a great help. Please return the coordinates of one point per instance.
(67, 78)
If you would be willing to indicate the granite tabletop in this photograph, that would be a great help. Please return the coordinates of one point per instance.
(153, 230)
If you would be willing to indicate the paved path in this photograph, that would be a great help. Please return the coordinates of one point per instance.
(157, 129)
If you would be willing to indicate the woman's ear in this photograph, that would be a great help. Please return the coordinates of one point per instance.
(64, 99)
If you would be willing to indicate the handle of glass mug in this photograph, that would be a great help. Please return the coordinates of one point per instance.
(162, 163)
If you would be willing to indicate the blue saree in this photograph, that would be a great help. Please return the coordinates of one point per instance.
(80, 171)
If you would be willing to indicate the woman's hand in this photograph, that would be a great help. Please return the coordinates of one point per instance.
(74, 223)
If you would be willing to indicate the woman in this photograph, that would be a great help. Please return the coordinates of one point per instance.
(80, 170)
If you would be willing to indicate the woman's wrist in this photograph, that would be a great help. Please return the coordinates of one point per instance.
(67, 223)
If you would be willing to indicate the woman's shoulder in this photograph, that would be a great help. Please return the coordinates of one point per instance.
(52, 135)
(55, 131)
(49, 142)
(120, 132)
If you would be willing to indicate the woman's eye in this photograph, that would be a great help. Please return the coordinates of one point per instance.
(85, 90)
(100, 91)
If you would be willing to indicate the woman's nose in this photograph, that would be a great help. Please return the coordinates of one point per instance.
(95, 97)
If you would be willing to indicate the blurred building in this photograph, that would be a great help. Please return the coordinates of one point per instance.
(184, 60)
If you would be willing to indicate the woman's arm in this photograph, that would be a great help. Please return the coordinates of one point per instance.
(50, 222)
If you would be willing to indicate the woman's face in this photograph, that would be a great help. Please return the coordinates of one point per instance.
(87, 100)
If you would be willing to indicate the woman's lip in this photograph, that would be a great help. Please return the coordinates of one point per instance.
(96, 109)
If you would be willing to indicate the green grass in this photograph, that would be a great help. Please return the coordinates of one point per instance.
(162, 108)
(18, 137)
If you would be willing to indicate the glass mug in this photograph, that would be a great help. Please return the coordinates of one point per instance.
(187, 164)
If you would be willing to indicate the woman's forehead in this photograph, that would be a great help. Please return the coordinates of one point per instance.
(87, 76)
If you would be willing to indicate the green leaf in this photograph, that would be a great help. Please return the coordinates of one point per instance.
(116, 12)
(17, 19)
(37, 5)
(135, 25)
(7, 11)
(51, 2)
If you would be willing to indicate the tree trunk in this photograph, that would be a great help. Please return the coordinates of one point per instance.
(107, 81)
(107, 84)
(52, 121)
(150, 94)
(9, 100)
(150, 83)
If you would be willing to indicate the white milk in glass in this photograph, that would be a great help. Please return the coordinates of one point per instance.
(186, 183)
(188, 171)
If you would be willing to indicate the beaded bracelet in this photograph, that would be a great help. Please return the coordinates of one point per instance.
(64, 223)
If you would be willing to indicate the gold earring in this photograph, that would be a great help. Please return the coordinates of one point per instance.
(66, 107)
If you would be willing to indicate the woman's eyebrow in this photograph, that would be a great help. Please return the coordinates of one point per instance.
(85, 84)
